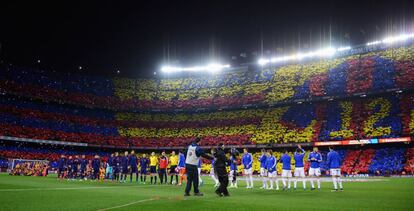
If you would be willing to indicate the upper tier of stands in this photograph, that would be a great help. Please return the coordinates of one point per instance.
(375, 71)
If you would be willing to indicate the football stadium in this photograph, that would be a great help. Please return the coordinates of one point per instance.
(314, 128)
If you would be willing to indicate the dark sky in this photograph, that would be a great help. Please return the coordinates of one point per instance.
(137, 38)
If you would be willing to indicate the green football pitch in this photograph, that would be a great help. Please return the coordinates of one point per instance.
(36, 193)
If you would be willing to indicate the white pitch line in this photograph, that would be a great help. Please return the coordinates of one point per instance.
(125, 205)
(79, 188)
(35, 189)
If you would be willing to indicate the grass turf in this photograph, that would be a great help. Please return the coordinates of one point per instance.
(36, 193)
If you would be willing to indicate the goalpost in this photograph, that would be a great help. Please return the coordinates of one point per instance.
(14, 162)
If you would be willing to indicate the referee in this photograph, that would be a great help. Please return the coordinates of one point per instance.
(194, 152)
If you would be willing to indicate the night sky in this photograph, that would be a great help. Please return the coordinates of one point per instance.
(137, 38)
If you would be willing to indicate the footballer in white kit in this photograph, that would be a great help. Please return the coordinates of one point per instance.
(334, 163)
(299, 167)
(286, 169)
(299, 172)
(247, 161)
(271, 170)
(262, 160)
(315, 158)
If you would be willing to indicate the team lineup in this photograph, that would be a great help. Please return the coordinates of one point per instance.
(186, 167)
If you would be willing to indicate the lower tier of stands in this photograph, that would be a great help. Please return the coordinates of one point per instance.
(378, 117)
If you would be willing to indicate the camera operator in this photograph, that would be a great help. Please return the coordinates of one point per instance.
(220, 164)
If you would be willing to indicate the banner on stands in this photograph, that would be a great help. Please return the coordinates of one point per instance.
(363, 141)
(394, 140)
(8, 138)
(327, 143)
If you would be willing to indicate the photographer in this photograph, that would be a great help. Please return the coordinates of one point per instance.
(220, 164)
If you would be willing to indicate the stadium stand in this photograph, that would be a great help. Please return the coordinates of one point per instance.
(387, 161)
(374, 71)
(409, 165)
(360, 96)
(378, 117)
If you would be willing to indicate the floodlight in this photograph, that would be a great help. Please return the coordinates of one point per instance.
(213, 68)
(402, 37)
(345, 48)
(328, 52)
(263, 61)
(374, 42)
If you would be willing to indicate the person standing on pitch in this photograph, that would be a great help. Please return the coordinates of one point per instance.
(124, 167)
(334, 163)
(108, 170)
(76, 165)
(200, 181)
(286, 170)
(299, 167)
(96, 164)
(117, 166)
(153, 167)
(144, 163)
(271, 163)
(220, 163)
(315, 158)
(213, 173)
(262, 160)
(61, 167)
(194, 152)
(162, 168)
(84, 163)
(173, 168)
(247, 161)
(69, 164)
(233, 168)
(133, 163)
(181, 167)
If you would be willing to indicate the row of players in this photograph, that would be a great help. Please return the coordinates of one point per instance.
(118, 167)
(268, 171)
